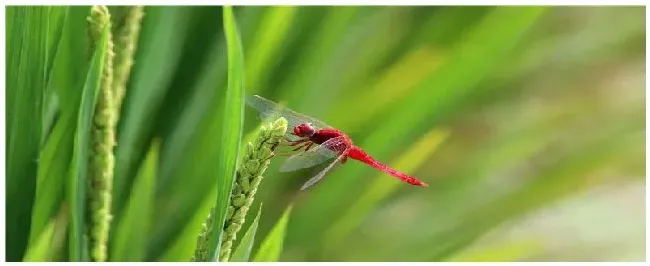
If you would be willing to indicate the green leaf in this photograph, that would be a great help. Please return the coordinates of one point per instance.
(78, 178)
(322, 44)
(51, 240)
(243, 251)
(70, 67)
(66, 83)
(57, 17)
(27, 50)
(156, 60)
(132, 229)
(188, 177)
(52, 169)
(273, 31)
(271, 248)
(231, 131)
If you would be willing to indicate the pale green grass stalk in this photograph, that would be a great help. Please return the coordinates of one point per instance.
(249, 175)
(103, 141)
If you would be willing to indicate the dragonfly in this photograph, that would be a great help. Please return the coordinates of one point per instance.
(315, 143)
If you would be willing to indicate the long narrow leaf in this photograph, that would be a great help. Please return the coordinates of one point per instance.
(26, 82)
(132, 228)
(232, 116)
(243, 251)
(271, 247)
(66, 82)
(57, 16)
(48, 245)
(78, 178)
(156, 59)
(52, 169)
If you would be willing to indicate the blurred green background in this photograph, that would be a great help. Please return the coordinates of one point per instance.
(527, 123)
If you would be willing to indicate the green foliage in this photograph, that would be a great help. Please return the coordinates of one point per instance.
(79, 169)
(231, 119)
(50, 243)
(243, 251)
(509, 113)
(133, 228)
(27, 51)
(271, 248)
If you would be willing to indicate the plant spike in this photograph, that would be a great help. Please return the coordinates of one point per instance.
(103, 140)
(248, 177)
(126, 33)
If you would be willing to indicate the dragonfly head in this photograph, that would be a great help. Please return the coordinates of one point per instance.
(304, 130)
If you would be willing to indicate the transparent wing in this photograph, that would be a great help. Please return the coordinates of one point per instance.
(318, 177)
(270, 110)
(325, 151)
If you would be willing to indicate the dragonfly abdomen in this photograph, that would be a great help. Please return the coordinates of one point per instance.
(360, 155)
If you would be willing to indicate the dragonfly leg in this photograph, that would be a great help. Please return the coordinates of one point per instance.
(309, 146)
(303, 146)
(294, 142)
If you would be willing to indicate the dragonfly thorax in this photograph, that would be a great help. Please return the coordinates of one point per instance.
(305, 130)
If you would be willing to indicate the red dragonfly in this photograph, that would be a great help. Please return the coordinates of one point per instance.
(320, 143)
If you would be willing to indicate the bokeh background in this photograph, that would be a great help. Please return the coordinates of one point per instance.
(527, 123)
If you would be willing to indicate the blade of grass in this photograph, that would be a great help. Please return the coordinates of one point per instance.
(132, 229)
(271, 33)
(360, 51)
(271, 248)
(156, 59)
(57, 16)
(321, 44)
(232, 120)
(217, 115)
(52, 169)
(243, 251)
(78, 175)
(69, 69)
(187, 183)
(185, 243)
(51, 240)
(27, 52)
(55, 156)
(397, 80)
